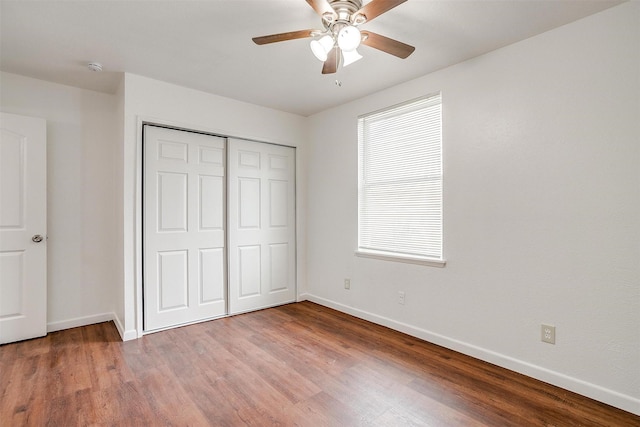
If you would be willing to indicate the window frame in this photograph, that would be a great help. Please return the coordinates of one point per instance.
(392, 255)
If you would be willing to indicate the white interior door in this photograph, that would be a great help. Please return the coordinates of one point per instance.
(23, 228)
(184, 227)
(262, 235)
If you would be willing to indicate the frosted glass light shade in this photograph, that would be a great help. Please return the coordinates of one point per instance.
(322, 47)
(350, 56)
(349, 38)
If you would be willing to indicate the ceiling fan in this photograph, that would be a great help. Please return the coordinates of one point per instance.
(339, 40)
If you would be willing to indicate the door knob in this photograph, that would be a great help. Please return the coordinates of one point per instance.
(37, 238)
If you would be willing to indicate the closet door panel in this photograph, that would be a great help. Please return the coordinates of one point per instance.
(184, 248)
(261, 224)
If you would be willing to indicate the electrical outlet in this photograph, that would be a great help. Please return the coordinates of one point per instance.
(401, 297)
(347, 283)
(548, 334)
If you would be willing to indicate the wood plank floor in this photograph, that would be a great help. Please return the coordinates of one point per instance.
(299, 364)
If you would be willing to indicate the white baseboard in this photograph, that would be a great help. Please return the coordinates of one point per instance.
(90, 320)
(119, 327)
(125, 335)
(593, 391)
(79, 321)
(129, 335)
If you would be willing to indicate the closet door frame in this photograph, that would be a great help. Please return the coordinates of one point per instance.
(137, 330)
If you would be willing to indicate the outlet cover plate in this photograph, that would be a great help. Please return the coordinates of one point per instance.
(548, 334)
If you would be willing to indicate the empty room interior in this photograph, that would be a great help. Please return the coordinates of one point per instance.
(320, 212)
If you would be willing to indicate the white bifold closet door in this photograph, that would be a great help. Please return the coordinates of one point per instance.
(197, 198)
(184, 227)
(261, 224)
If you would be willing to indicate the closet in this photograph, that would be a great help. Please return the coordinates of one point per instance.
(218, 226)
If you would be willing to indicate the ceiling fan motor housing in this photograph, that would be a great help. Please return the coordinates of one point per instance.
(344, 9)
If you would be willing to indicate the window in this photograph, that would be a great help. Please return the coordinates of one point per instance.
(400, 182)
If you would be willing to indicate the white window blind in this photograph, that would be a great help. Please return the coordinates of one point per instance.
(400, 180)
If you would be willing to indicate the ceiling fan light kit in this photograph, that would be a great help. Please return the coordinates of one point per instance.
(322, 47)
(350, 56)
(349, 38)
(340, 39)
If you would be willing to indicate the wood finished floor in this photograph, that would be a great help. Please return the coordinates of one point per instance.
(299, 364)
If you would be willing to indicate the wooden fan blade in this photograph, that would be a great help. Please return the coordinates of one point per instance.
(273, 38)
(331, 64)
(385, 44)
(376, 8)
(322, 6)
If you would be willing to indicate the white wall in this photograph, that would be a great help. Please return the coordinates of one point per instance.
(541, 210)
(159, 102)
(80, 195)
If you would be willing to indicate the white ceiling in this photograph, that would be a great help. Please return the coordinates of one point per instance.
(207, 45)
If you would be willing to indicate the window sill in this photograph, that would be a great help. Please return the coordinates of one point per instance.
(431, 262)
